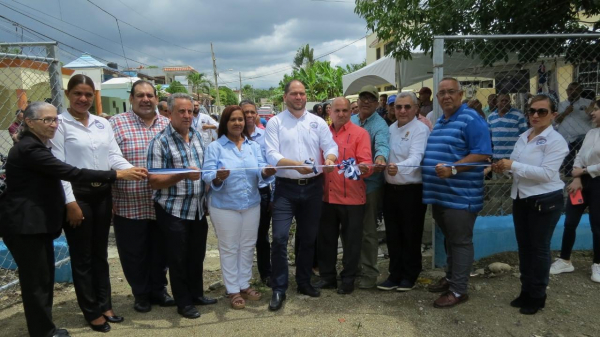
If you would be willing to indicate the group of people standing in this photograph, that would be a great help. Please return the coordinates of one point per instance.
(160, 218)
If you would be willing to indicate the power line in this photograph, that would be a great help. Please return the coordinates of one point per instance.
(119, 28)
(145, 32)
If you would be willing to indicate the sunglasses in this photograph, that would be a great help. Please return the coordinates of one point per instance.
(540, 112)
(406, 107)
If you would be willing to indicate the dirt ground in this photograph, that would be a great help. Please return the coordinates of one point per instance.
(571, 310)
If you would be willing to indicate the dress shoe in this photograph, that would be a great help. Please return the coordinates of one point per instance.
(405, 285)
(163, 300)
(345, 288)
(189, 311)
(142, 305)
(61, 333)
(308, 290)
(322, 284)
(114, 319)
(104, 327)
(449, 299)
(520, 301)
(533, 305)
(203, 300)
(276, 301)
(441, 285)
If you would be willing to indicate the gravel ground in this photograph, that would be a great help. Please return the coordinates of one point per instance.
(571, 310)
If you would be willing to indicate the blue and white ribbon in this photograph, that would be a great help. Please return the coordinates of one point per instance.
(350, 169)
(311, 162)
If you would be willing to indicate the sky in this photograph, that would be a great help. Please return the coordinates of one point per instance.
(258, 38)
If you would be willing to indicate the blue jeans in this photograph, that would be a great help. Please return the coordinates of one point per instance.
(303, 202)
(534, 229)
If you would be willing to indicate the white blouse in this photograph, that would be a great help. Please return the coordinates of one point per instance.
(536, 163)
(589, 155)
(92, 147)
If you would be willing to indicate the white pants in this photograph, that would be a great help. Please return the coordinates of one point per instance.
(236, 232)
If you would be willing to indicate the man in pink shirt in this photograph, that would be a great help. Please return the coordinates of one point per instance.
(343, 202)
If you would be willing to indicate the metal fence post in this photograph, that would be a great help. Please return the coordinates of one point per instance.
(55, 73)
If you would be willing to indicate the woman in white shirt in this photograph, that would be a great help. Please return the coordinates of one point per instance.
(538, 201)
(87, 141)
(586, 173)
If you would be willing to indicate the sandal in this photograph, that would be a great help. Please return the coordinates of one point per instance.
(237, 302)
(250, 294)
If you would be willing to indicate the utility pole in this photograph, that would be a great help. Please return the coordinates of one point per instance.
(240, 86)
(215, 72)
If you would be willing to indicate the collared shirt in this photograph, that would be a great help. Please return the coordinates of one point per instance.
(353, 142)
(92, 147)
(407, 147)
(298, 139)
(208, 135)
(452, 139)
(589, 155)
(169, 150)
(259, 136)
(379, 132)
(506, 131)
(381, 111)
(536, 163)
(578, 122)
(133, 199)
(240, 190)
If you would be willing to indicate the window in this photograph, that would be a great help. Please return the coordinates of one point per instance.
(588, 75)
(378, 53)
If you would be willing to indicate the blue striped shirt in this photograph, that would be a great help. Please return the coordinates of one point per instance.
(452, 139)
(506, 131)
(379, 132)
(169, 150)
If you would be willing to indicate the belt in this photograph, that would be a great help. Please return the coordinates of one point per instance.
(301, 182)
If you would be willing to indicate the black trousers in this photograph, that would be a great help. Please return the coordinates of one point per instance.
(88, 244)
(304, 203)
(404, 214)
(34, 255)
(591, 199)
(574, 147)
(186, 249)
(142, 253)
(346, 220)
(263, 246)
(534, 231)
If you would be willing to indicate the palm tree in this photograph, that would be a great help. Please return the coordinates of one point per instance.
(200, 83)
(304, 55)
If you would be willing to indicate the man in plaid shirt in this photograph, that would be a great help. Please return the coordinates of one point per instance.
(178, 204)
(140, 244)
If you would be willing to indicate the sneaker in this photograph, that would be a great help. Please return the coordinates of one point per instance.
(388, 285)
(561, 266)
(405, 286)
(596, 272)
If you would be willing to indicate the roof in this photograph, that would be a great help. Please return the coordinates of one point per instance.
(85, 61)
(35, 65)
(179, 68)
(121, 80)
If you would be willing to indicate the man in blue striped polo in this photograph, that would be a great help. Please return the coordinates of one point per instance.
(507, 124)
(455, 192)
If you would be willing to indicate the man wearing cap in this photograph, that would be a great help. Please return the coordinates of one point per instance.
(425, 103)
(379, 133)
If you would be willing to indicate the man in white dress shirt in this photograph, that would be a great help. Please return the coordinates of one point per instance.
(293, 137)
(205, 125)
(574, 122)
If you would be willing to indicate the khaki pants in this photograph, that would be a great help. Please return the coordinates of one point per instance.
(368, 256)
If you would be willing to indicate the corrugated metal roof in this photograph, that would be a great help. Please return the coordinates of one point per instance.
(185, 68)
(85, 61)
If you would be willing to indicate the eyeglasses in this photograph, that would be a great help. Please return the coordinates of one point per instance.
(540, 112)
(367, 99)
(450, 92)
(406, 107)
(47, 120)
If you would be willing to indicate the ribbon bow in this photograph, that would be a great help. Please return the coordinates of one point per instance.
(349, 168)
(311, 162)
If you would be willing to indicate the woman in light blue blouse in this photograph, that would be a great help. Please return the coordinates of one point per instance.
(234, 201)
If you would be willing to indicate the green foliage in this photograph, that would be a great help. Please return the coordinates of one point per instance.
(176, 87)
(411, 24)
(10, 50)
(227, 96)
(304, 57)
(200, 83)
(322, 81)
(352, 67)
(152, 67)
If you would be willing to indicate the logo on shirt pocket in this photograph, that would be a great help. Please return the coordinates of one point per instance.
(541, 142)
(313, 125)
(99, 125)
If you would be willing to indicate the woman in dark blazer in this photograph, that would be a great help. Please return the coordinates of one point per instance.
(32, 211)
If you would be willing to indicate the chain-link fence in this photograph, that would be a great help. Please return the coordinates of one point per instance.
(500, 74)
(29, 71)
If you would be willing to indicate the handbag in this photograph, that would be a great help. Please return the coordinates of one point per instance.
(548, 202)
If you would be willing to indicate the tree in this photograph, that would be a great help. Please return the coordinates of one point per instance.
(228, 97)
(304, 57)
(352, 67)
(321, 80)
(200, 83)
(421, 20)
(175, 87)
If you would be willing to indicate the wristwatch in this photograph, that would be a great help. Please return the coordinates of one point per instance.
(454, 171)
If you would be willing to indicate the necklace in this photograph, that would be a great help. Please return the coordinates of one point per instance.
(79, 118)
